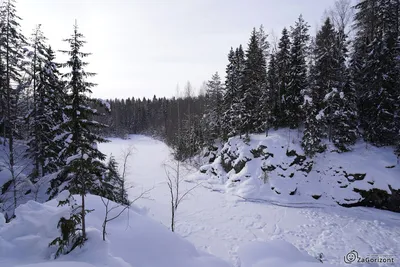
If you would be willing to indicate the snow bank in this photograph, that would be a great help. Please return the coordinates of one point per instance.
(274, 168)
(133, 240)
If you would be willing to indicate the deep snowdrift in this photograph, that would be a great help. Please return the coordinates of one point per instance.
(274, 168)
(133, 240)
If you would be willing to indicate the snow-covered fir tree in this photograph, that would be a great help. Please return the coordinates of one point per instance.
(344, 102)
(46, 109)
(273, 90)
(84, 169)
(325, 74)
(233, 108)
(254, 84)
(283, 65)
(12, 46)
(214, 108)
(297, 73)
(378, 32)
(114, 184)
(311, 141)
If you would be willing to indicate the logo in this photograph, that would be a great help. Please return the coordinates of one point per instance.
(353, 256)
(350, 257)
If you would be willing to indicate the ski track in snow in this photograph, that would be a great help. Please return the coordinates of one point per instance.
(218, 223)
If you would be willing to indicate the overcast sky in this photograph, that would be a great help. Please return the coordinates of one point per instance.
(146, 48)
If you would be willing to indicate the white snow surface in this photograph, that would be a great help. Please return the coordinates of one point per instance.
(133, 240)
(289, 183)
(220, 223)
(238, 233)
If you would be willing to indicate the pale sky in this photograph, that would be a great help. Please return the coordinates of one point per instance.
(145, 48)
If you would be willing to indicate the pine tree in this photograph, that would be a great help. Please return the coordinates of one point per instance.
(84, 169)
(254, 84)
(283, 65)
(297, 73)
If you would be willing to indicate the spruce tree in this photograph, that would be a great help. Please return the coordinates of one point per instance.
(311, 141)
(283, 65)
(325, 75)
(84, 169)
(11, 60)
(45, 113)
(254, 84)
(297, 73)
(50, 115)
(114, 183)
(377, 24)
(344, 103)
(273, 91)
(214, 108)
(233, 108)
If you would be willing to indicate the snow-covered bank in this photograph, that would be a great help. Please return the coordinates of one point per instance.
(274, 168)
(133, 240)
(221, 223)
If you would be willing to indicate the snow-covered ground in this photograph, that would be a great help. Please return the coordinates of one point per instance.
(274, 168)
(133, 240)
(221, 223)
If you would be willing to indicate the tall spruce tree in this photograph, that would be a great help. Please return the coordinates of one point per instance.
(84, 169)
(11, 58)
(283, 65)
(377, 24)
(273, 90)
(50, 105)
(344, 103)
(233, 107)
(35, 150)
(254, 84)
(325, 74)
(297, 73)
(311, 141)
(214, 108)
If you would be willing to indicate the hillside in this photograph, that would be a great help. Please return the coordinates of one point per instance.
(275, 169)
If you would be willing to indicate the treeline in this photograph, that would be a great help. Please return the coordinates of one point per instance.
(48, 133)
(328, 85)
